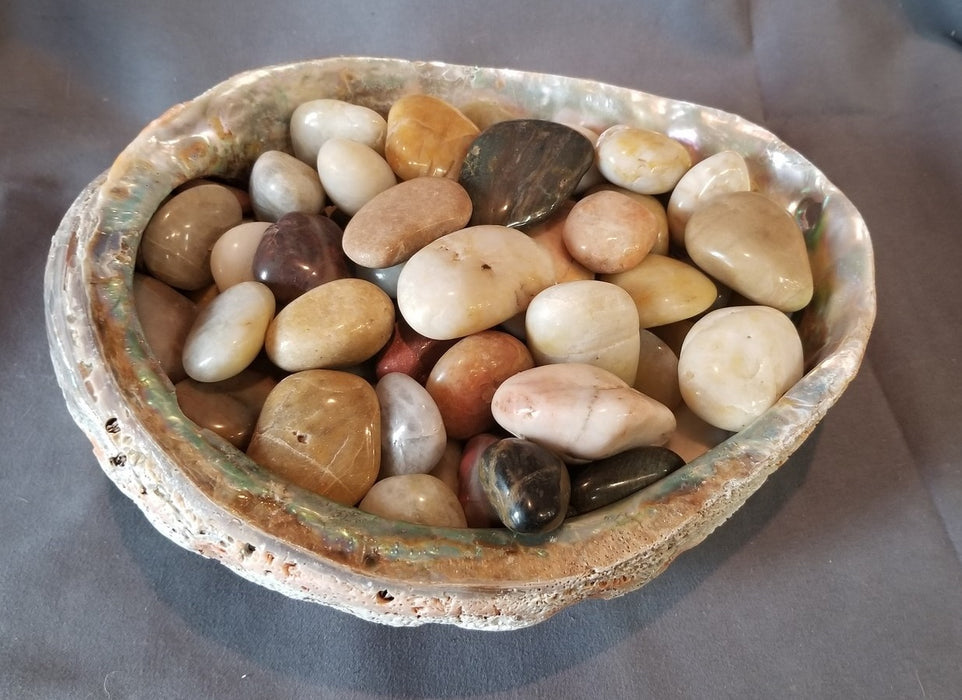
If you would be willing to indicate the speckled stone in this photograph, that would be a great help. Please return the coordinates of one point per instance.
(598, 484)
(609, 232)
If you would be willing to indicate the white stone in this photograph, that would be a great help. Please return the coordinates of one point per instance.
(232, 257)
(413, 438)
(722, 172)
(280, 184)
(316, 121)
(352, 173)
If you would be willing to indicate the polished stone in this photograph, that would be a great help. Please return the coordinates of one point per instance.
(585, 321)
(321, 430)
(606, 481)
(317, 121)
(518, 172)
(232, 257)
(385, 278)
(657, 374)
(447, 467)
(579, 411)
(426, 137)
(752, 244)
(401, 220)
(299, 252)
(412, 431)
(722, 172)
(465, 378)
(336, 325)
(352, 174)
(641, 160)
(280, 184)
(527, 485)
(177, 241)
(166, 317)
(478, 509)
(653, 205)
(609, 232)
(549, 234)
(410, 352)
(414, 498)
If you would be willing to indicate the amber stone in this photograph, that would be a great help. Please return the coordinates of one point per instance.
(518, 172)
(321, 431)
(299, 252)
(426, 136)
(597, 484)
(527, 485)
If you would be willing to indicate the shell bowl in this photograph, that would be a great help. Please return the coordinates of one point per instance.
(208, 497)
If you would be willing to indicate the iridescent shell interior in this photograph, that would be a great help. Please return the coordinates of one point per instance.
(208, 497)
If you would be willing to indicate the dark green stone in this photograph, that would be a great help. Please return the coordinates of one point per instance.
(527, 485)
(605, 481)
(518, 172)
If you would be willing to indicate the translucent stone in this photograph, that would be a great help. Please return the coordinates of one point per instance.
(737, 362)
(717, 174)
(414, 498)
(321, 430)
(640, 160)
(232, 256)
(166, 317)
(352, 173)
(587, 321)
(229, 332)
(609, 232)
(426, 137)
(412, 432)
(280, 184)
(317, 121)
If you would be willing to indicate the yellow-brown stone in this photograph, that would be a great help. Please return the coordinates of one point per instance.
(427, 136)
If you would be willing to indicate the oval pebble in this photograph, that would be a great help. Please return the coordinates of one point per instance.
(426, 137)
(232, 256)
(317, 121)
(549, 234)
(652, 204)
(414, 498)
(609, 232)
(722, 172)
(601, 483)
(280, 184)
(166, 317)
(352, 173)
(412, 432)
(641, 160)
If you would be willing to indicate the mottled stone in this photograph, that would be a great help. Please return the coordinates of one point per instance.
(750, 243)
(665, 290)
(280, 184)
(166, 317)
(299, 252)
(579, 411)
(652, 204)
(657, 374)
(412, 432)
(228, 333)
(228, 408)
(352, 174)
(414, 498)
(463, 381)
(471, 280)
(527, 485)
(411, 353)
(336, 325)
(317, 121)
(232, 257)
(518, 172)
(549, 234)
(401, 220)
(717, 174)
(641, 160)
(609, 232)
(177, 241)
(426, 137)
(321, 430)
(585, 321)
(477, 507)
(737, 362)
(606, 481)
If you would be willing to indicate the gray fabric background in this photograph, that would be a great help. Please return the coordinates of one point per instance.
(840, 578)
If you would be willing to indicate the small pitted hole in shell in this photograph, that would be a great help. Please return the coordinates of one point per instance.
(112, 426)
(384, 597)
(249, 548)
(118, 460)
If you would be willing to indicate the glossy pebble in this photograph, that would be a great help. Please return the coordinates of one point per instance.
(401, 220)
(751, 244)
(657, 374)
(232, 256)
(606, 481)
(465, 378)
(426, 137)
(737, 362)
(549, 234)
(665, 290)
(527, 485)
(518, 172)
(471, 280)
(414, 498)
(336, 325)
(317, 121)
(585, 321)
(412, 432)
(177, 241)
(717, 174)
(410, 352)
(446, 468)
(229, 332)
(478, 509)
(166, 317)
(385, 278)
(352, 174)
(320, 430)
(609, 232)
(579, 411)
(592, 176)
(652, 204)
(640, 160)
(280, 184)
(299, 252)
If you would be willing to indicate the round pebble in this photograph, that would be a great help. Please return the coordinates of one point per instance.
(608, 232)
(414, 498)
(640, 160)
(412, 431)
(352, 173)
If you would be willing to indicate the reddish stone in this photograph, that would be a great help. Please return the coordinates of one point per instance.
(410, 353)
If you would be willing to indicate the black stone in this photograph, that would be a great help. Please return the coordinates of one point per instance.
(518, 172)
(605, 481)
(527, 485)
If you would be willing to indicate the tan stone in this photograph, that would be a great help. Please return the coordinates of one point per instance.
(665, 290)
(609, 232)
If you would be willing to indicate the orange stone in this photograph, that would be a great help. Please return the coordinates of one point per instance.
(427, 136)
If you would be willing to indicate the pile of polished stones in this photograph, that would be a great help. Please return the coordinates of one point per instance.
(474, 320)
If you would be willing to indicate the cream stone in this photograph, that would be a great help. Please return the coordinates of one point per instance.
(335, 325)
(232, 257)
(471, 280)
(652, 204)
(317, 121)
(280, 184)
(587, 321)
(737, 362)
(229, 332)
(608, 232)
(415, 498)
(717, 174)
(665, 290)
(640, 160)
(352, 173)
(579, 411)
